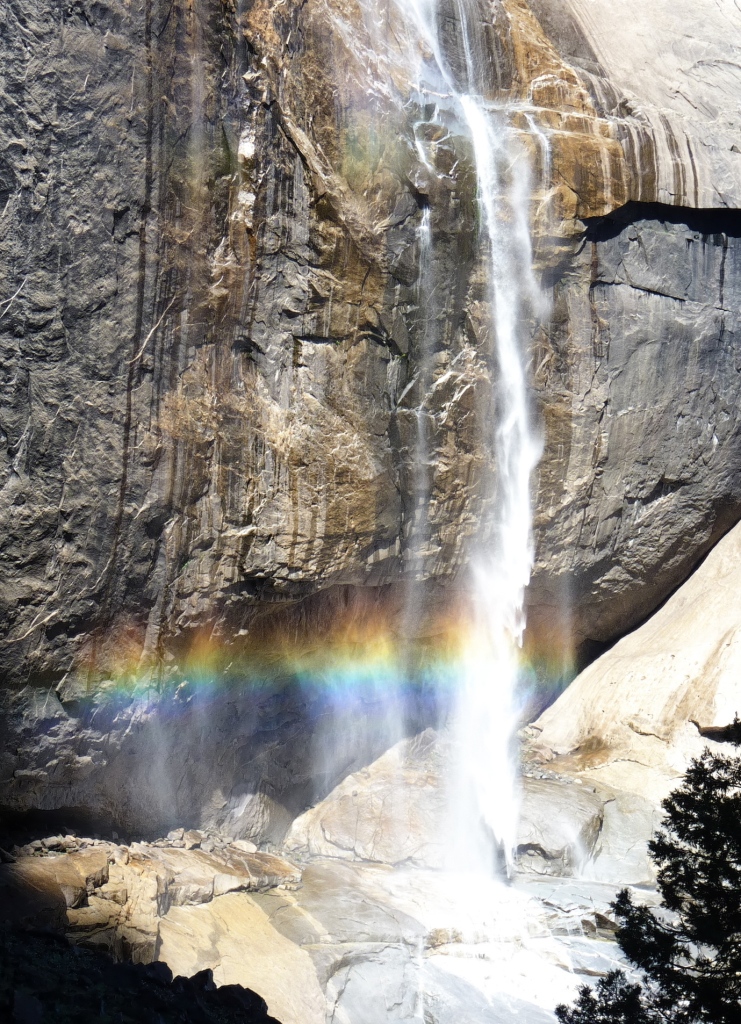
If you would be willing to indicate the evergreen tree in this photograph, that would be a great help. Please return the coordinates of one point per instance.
(688, 952)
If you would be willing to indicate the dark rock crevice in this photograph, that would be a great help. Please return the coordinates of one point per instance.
(712, 224)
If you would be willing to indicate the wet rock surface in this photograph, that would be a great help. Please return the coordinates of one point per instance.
(397, 811)
(559, 826)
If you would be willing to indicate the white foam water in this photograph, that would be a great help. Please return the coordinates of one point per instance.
(483, 785)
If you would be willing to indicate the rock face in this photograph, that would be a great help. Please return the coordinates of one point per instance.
(636, 716)
(218, 342)
(641, 469)
(244, 758)
(211, 324)
(244, 396)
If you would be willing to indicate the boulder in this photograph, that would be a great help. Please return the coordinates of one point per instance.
(73, 876)
(233, 937)
(192, 838)
(621, 854)
(391, 812)
(558, 826)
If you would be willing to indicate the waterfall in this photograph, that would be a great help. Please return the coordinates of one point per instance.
(417, 537)
(483, 785)
(445, 76)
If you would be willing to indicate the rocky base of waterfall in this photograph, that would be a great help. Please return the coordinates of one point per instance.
(368, 919)
(397, 811)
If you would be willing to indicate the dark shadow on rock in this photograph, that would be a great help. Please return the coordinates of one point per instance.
(705, 222)
(43, 979)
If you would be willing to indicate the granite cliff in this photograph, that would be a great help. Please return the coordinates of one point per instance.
(210, 321)
(212, 331)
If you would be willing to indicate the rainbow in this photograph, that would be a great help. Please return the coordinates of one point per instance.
(358, 657)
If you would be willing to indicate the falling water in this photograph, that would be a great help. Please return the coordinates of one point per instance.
(451, 91)
(483, 785)
(417, 538)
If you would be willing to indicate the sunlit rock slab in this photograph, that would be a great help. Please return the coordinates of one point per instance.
(40, 893)
(663, 692)
(631, 722)
(127, 900)
(452, 943)
(670, 71)
(374, 975)
(391, 985)
(234, 937)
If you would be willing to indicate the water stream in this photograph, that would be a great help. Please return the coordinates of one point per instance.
(418, 535)
(483, 786)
